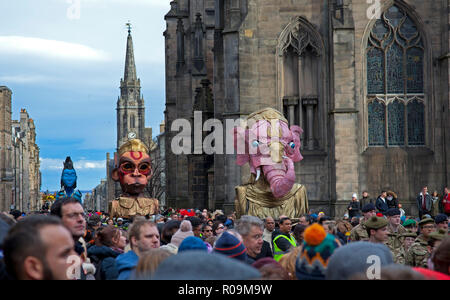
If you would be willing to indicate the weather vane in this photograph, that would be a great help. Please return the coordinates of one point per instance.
(129, 26)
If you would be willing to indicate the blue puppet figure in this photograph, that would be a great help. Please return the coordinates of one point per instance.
(69, 182)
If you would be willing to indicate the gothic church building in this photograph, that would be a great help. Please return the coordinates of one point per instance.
(368, 83)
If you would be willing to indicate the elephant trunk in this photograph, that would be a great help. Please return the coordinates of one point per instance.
(281, 177)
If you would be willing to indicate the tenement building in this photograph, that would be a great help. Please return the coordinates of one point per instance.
(20, 177)
(6, 167)
(367, 82)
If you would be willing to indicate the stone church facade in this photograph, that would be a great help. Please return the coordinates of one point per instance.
(368, 83)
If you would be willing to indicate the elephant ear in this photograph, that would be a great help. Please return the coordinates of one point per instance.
(241, 145)
(296, 133)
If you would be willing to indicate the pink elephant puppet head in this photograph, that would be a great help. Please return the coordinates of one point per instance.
(270, 146)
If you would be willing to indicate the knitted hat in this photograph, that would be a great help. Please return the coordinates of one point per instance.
(393, 212)
(376, 222)
(213, 266)
(354, 195)
(230, 246)
(182, 233)
(368, 207)
(409, 222)
(317, 248)
(440, 218)
(192, 243)
(356, 258)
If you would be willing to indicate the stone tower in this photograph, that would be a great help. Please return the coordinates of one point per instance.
(130, 104)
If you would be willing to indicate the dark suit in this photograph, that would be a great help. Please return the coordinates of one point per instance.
(381, 205)
(428, 204)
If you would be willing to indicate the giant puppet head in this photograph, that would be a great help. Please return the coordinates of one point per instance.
(271, 147)
(134, 168)
(68, 176)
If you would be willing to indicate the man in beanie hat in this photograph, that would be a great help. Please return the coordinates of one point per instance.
(359, 232)
(318, 247)
(395, 231)
(441, 221)
(231, 246)
(408, 239)
(353, 258)
(417, 255)
(377, 229)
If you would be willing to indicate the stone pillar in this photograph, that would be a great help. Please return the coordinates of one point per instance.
(344, 113)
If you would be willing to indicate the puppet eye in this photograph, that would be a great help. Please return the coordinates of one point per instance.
(292, 145)
(144, 167)
(128, 167)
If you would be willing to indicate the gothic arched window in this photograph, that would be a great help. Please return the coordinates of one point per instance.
(395, 81)
(132, 122)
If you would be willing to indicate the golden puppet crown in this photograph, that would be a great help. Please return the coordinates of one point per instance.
(134, 145)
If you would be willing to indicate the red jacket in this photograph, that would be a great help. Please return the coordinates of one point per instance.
(446, 203)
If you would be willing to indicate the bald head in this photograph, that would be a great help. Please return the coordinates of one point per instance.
(269, 224)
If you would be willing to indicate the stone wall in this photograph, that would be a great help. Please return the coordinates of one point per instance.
(6, 172)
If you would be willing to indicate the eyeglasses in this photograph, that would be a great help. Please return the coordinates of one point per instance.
(220, 227)
(207, 230)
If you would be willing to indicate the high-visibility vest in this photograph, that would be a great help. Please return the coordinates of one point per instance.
(277, 252)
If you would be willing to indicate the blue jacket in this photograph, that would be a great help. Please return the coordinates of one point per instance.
(381, 205)
(104, 259)
(125, 264)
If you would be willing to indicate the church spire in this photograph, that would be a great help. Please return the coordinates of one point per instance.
(130, 66)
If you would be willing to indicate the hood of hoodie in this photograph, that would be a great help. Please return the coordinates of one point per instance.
(102, 252)
(127, 260)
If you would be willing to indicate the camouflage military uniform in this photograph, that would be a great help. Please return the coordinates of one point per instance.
(418, 254)
(359, 233)
(400, 256)
(395, 239)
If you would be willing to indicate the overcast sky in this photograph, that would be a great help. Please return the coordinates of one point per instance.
(63, 61)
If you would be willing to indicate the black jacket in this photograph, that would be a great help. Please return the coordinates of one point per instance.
(356, 209)
(104, 260)
(265, 251)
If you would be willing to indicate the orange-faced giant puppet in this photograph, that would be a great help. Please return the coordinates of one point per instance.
(133, 171)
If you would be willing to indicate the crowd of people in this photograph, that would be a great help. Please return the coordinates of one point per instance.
(70, 243)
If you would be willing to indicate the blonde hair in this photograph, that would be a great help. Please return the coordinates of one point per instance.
(149, 262)
(288, 262)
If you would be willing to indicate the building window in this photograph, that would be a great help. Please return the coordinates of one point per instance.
(395, 81)
(132, 122)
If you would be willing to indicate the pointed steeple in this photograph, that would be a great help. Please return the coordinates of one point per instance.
(130, 66)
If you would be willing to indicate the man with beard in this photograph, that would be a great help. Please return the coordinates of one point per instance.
(133, 172)
(39, 248)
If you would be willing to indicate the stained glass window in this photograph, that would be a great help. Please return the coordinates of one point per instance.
(377, 135)
(395, 69)
(396, 123)
(416, 123)
(375, 63)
